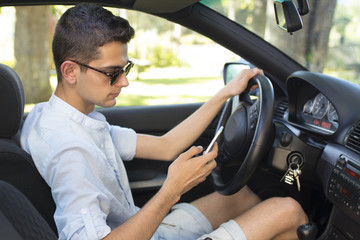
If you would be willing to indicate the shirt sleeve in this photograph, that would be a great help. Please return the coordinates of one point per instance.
(125, 141)
(82, 205)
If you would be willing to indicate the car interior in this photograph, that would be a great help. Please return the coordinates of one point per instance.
(297, 135)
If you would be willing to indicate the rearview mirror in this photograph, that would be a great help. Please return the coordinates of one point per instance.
(287, 16)
(303, 7)
(231, 69)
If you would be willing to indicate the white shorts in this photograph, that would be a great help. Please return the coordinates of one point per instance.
(186, 222)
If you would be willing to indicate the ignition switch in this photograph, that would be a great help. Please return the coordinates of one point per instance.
(295, 158)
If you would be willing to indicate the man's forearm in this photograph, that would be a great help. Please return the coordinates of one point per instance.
(144, 223)
(191, 128)
(170, 145)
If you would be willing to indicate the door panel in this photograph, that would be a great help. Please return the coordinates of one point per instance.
(149, 119)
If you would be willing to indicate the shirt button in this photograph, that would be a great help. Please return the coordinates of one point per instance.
(102, 145)
(84, 211)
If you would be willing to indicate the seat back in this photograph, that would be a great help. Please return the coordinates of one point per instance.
(16, 165)
(18, 217)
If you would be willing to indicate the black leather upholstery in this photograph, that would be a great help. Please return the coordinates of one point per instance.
(11, 102)
(18, 217)
(16, 166)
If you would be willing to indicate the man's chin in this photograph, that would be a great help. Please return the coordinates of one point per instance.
(108, 104)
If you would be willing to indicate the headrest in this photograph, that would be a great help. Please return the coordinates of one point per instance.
(11, 102)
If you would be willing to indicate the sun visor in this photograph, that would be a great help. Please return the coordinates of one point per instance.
(162, 6)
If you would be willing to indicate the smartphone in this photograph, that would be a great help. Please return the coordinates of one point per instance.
(213, 140)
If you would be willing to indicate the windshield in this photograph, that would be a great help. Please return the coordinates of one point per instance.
(329, 41)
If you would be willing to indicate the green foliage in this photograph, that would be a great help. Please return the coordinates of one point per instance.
(58, 10)
(9, 63)
(160, 56)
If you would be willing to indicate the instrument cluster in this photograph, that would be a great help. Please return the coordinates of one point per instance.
(319, 112)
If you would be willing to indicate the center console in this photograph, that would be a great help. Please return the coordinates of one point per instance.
(343, 187)
(339, 169)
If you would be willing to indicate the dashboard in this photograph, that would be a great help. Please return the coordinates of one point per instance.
(323, 105)
(326, 110)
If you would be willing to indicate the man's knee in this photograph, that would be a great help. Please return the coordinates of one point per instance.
(291, 210)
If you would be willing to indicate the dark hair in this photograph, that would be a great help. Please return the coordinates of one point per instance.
(82, 29)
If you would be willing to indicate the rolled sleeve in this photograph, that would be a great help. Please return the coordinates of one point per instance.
(86, 226)
(82, 205)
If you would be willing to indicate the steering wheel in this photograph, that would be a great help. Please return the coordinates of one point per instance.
(248, 134)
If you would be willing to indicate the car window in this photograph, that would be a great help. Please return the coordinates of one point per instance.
(172, 64)
(330, 46)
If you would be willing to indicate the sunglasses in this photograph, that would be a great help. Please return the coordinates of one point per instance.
(113, 76)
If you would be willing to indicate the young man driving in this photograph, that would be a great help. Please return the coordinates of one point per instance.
(81, 156)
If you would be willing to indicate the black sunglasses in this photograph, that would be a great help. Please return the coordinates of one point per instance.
(113, 76)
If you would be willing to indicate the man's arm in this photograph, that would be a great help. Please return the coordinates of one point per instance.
(170, 145)
(184, 173)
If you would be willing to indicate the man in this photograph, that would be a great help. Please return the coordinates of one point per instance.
(80, 155)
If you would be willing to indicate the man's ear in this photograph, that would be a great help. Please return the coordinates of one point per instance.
(68, 71)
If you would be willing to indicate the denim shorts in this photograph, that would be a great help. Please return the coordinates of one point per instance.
(186, 222)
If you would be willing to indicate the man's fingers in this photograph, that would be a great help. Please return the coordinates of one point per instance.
(192, 152)
(214, 149)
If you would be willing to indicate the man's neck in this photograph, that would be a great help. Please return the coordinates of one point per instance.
(73, 99)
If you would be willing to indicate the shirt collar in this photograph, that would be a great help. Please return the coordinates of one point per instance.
(94, 120)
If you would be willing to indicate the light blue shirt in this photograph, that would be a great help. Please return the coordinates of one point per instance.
(81, 158)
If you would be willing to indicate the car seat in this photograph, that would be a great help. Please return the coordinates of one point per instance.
(16, 165)
(18, 217)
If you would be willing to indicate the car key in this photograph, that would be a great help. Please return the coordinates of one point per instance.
(288, 176)
(297, 173)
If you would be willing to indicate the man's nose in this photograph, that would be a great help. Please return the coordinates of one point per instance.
(122, 81)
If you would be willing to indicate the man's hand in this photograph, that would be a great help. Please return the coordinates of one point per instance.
(188, 170)
(239, 83)
(184, 173)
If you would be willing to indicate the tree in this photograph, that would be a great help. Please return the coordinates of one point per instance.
(32, 42)
(259, 18)
(315, 33)
(342, 20)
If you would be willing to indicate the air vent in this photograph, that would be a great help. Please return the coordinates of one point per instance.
(353, 139)
(280, 109)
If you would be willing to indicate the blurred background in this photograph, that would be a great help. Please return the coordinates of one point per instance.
(176, 65)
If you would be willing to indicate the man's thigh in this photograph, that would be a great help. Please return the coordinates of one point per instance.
(186, 222)
(219, 208)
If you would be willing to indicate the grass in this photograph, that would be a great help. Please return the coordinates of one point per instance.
(140, 100)
(169, 91)
(163, 91)
(178, 81)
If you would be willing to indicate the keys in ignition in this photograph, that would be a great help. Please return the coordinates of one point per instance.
(292, 173)
(288, 176)
(297, 173)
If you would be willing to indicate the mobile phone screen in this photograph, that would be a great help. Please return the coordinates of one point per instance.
(214, 139)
